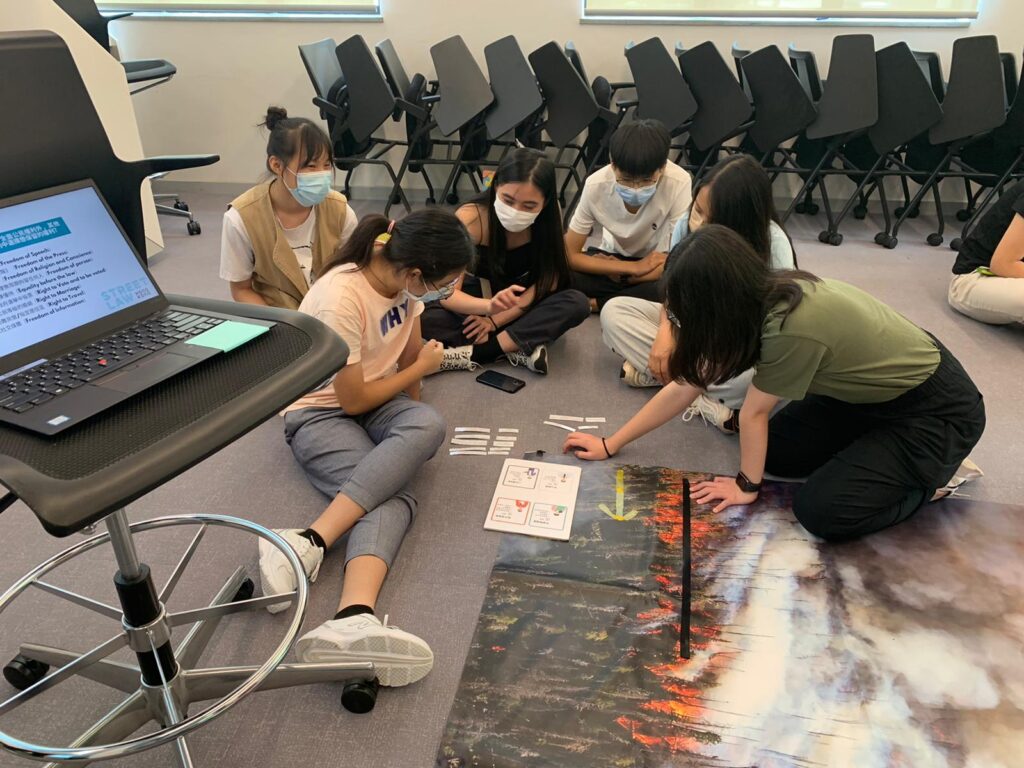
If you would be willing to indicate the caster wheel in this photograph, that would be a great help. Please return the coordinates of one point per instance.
(360, 697)
(800, 208)
(914, 213)
(891, 242)
(453, 199)
(245, 591)
(181, 205)
(860, 212)
(934, 239)
(823, 236)
(955, 243)
(899, 211)
(812, 209)
(880, 238)
(22, 672)
(396, 199)
(430, 201)
(194, 228)
(835, 239)
(964, 215)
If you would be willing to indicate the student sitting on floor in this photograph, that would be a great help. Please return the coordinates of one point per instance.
(737, 194)
(882, 416)
(362, 439)
(636, 200)
(278, 235)
(986, 284)
(517, 228)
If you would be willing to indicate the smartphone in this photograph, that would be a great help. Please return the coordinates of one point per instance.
(523, 279)
(500, 381)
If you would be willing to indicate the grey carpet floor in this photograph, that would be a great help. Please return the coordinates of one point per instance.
(438, 584)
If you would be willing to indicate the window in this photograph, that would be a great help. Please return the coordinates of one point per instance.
(309, 8)
(804, 10)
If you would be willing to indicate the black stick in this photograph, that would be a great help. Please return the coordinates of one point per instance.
(684, 597)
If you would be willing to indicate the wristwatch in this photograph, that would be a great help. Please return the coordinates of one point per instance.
(746, 485)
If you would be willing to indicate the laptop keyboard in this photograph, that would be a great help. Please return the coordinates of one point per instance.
(41, 384)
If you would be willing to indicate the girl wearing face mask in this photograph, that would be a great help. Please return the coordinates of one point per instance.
(363, 437)
(635, 201)
(516, 226)
(277, 236)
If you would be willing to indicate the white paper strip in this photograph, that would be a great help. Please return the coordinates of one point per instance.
(508, 429)
(504, 442)
(471, 440)
(595, 419)
(467, 452)
(560, 426)
(566, 418)
(496, 452)
(486, 430)
(588, 426)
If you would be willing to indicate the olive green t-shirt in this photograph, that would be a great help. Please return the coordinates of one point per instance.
(843, 343)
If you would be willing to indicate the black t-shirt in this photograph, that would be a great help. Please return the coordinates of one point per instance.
(519, 267)
(976, 251)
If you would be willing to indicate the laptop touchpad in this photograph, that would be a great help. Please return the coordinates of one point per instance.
(147, 373)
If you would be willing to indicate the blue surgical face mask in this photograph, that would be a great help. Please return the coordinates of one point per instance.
(437, 294)
(635, 198)
(312, 187)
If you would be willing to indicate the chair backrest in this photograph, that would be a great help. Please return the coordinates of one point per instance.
(571, 106)
(738, 55)
(86, 15)
(321, 64)
(849, 102)
(805, 65)
(660, 88)
(37, 150)
(722, 106)
(907, 106)
(782, 107)
(517, 96)
(370, 99)
(573, 54)
(1010, 77)
(680, 50)
(1011, 133)
(463, 89)
(395, 73)
(975, 97)
(931, 68)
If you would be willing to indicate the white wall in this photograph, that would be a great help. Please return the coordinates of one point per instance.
(228, 72)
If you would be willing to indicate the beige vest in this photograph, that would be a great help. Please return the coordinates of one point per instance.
(276, 275)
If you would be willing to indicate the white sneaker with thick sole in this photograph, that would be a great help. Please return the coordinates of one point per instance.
(711, 412)
(965, 473)
(458, 359)
(536, 361)
(637, 378)
(276, 576)
(399, 658)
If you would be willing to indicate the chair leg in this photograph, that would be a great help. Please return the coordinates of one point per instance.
(113, 674)
(989, 196)
(859, 195)
(806, 190)
(216, 682)
(936, 237)
(190, 649)
(915, 202)
(348, 183)
(118, 724)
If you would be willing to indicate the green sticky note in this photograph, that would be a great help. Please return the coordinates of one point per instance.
(228, 335)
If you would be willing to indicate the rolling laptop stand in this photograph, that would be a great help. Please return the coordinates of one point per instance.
(90, 473)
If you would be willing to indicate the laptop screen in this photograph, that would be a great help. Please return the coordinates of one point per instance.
(64, 263)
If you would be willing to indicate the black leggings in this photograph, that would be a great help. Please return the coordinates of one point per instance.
(544, 321)
(601, 287)
(871, 466)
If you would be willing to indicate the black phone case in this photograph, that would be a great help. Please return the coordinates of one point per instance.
(506, 383)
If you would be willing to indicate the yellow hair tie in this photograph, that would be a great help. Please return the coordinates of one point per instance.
(383, 238)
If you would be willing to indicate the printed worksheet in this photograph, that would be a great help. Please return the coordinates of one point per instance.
(534, 498)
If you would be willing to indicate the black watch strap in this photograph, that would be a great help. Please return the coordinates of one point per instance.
(746, 484)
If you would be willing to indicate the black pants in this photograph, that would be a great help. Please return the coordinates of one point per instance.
(872, 466)
(545, 321)
(602, 288)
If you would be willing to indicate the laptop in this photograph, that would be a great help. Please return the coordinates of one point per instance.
(83, 325)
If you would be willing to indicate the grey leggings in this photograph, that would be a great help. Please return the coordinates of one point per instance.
(370, 458)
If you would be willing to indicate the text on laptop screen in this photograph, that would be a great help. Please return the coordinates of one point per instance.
(63, 264)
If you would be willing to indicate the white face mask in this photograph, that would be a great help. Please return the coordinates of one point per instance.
(512, 219)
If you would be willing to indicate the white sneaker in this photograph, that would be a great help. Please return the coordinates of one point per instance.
(458, 359)
(276, 575)
(711, 412)
(399, 658)
(537, 361)
(965, 473)
(637, 378)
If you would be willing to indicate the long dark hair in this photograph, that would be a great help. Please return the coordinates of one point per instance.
(290, 136)
(431, 240)
(740, 198)
(546, 236)
(720, 291)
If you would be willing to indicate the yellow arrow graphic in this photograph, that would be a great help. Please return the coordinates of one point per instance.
(620, 500)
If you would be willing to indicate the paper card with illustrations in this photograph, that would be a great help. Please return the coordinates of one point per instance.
(534, 498)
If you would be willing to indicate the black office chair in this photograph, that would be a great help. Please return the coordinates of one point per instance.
(1011, 78)
(931, 67)
(518, 102)
(571, 108)
(143, 73)
(738, 54)
(906, 108)
(847, 108)
(88, 474)
(723, 109)
(661, 91)
(805, 64)
(465, 96)
(973, 107)
(41, 152)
